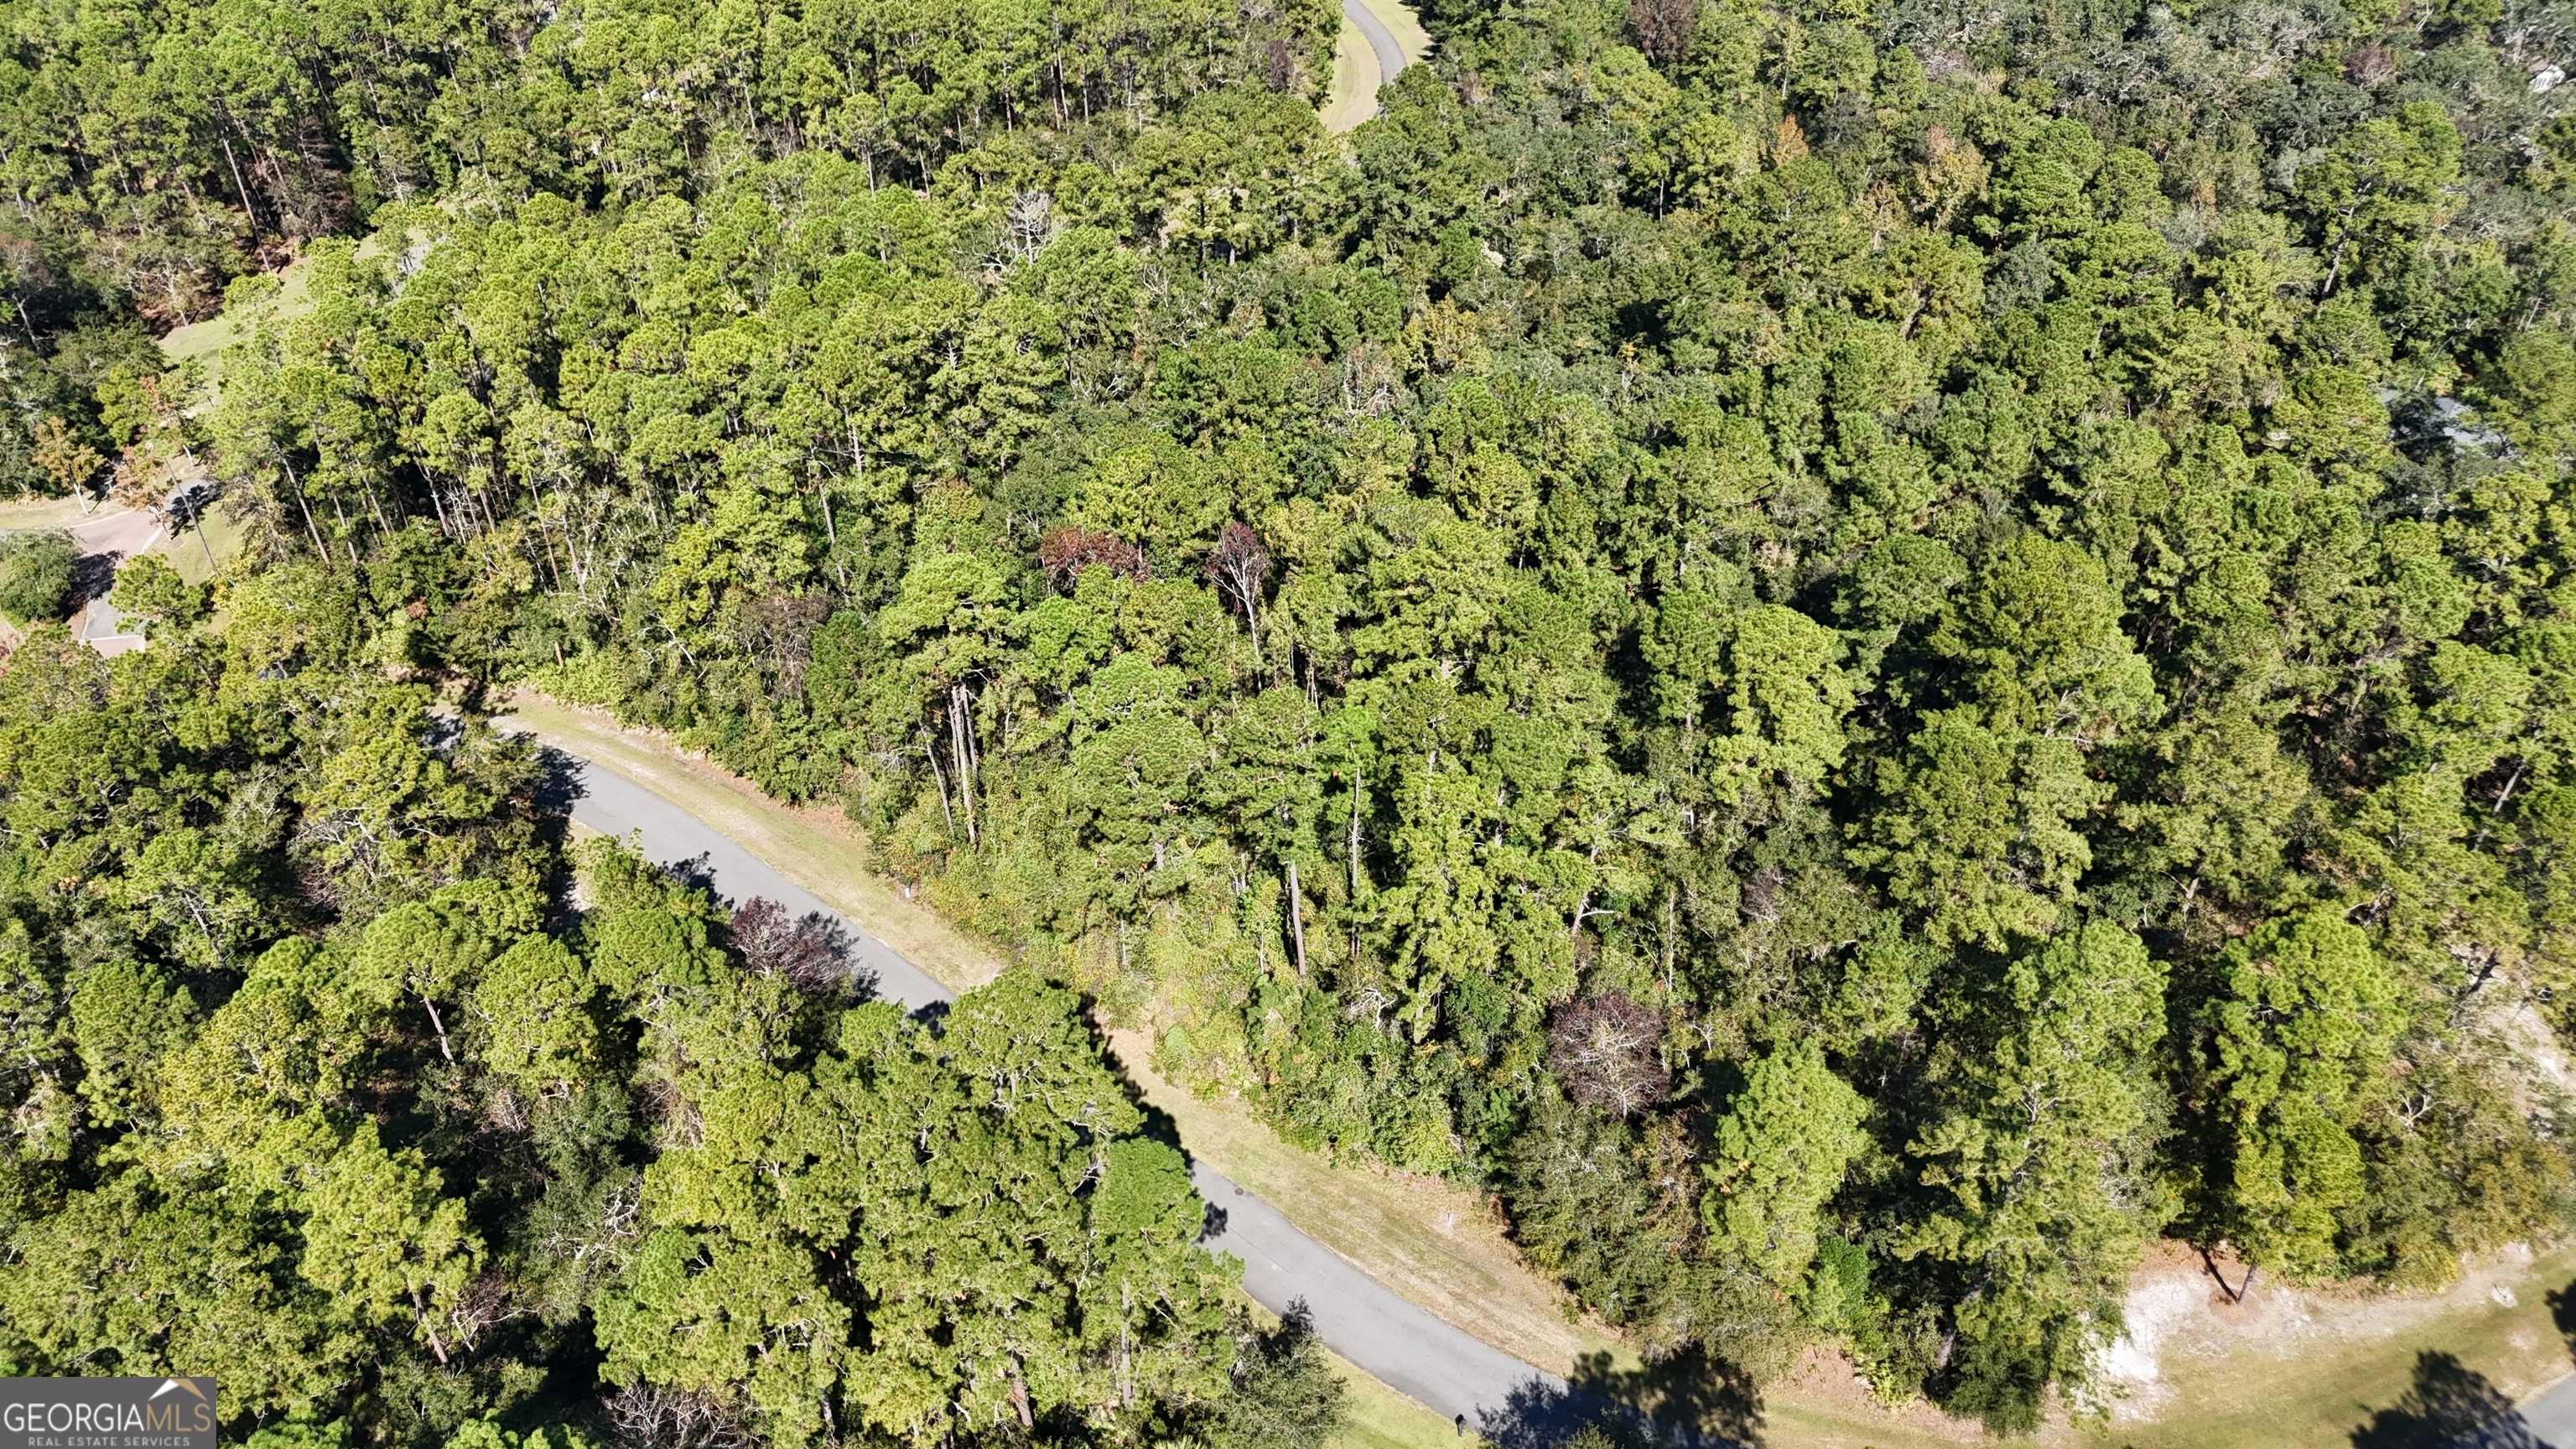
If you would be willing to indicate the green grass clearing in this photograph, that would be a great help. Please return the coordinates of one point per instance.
(281, 296)
(1436, 1244)
(206, 343)
(1378, 1417)
(2314, 1367)
(200, 553)
(22, 515)
(1352, 99)
(1404, 25)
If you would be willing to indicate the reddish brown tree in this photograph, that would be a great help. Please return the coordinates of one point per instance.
(1066, 551)
(812, 952)
(1664, 29)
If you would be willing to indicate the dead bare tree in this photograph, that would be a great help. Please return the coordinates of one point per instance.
(810, 952)
(648, 1416)
(1607, 1050)
(1239, 565)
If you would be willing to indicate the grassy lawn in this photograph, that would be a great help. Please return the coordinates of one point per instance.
(198, 553)
(205, 343)
(1430, 1241)
(1381, 1418)
(1403, 24)
(2308, 1380)
(31, 514)
(1353, 98)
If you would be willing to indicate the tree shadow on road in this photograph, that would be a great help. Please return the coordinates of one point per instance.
(2449, 1406)
(558, 784)
(1688, 1400)
(93, 574)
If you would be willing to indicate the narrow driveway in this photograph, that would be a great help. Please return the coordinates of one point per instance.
(105, 540)
(1455, 1373)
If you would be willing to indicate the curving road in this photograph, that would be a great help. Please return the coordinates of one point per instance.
(1381, 41)
(1410, 1350)
(1372, 48)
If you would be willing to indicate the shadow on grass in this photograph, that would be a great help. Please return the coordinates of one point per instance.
(2449, 1406)
(1688, 1400)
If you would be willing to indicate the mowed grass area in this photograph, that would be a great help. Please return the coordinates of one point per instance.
(1353, 98)
(206, 343)
(199, 553)
(1404, 25)
(1445, 1248)
(1440, 1246)
(29, 515)
(1378, 1417)
(1352, 101)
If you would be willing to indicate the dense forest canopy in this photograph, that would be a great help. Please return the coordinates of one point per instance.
(1863, 654)
(336, 1077)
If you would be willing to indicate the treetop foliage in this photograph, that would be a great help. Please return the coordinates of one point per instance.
(1864, 654)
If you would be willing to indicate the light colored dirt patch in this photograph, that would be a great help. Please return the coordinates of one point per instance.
(2301, 1366)
(2531, 1039)
(2131, 1363)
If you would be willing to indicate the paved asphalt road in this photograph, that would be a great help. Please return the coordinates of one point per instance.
(1390, 56)
(125, 533)
(2551, 1417)
(1453, 1372)
(116, 536)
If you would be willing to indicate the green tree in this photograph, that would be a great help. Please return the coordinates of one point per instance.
(1780, 1155)
(2040, 1167)
(2302, 1045)
(36, 576)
